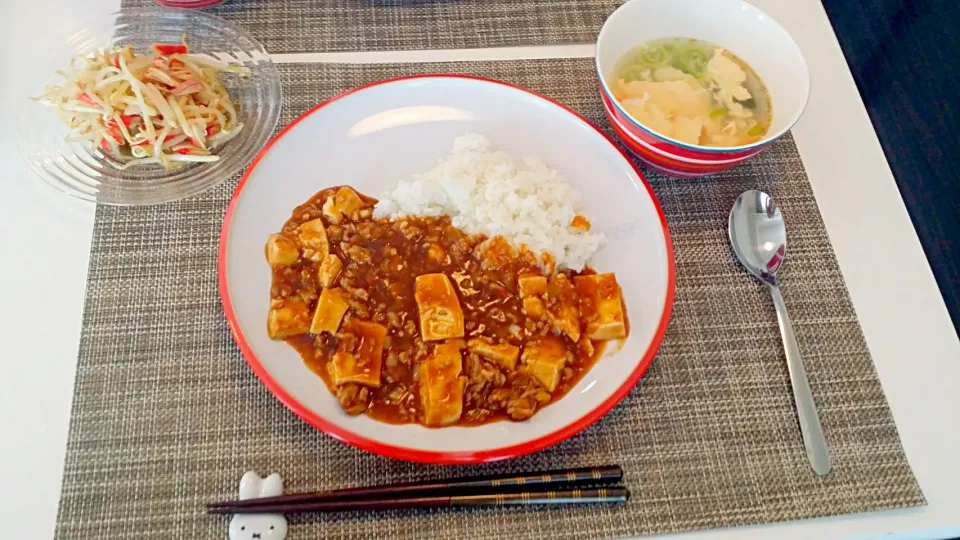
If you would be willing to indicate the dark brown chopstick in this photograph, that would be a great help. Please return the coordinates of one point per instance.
(558, 497)
(460, 486)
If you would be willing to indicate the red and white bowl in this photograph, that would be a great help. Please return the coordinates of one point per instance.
(733, 24)
(373, 137)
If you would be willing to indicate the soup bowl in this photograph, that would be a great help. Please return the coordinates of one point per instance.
(736, 25)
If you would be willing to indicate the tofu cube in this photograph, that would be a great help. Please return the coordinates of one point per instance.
(343, 202)
(313, 240)
(564, 306)
(330, 309)
(504, 354)
(370, 340)
(601, 307)
(440, 313)
(329, 270)
(545, 359)
(531, 285)
(282, 250)
(534, 308)
(288, 317)
(441, 386)
(363, 365)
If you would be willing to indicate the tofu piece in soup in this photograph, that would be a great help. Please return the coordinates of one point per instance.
(344, 202)
(601, 307)
(441, 386)
(282, 249)
(564, 306)
(330, 310)
(440, 314)
(313, 240)
(364, 364)
(533, 307)
(531, 285)
(329, 270)
(545, 359)
(288, 317)
(503, 354)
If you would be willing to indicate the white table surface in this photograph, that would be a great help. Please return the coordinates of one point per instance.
(45, 239)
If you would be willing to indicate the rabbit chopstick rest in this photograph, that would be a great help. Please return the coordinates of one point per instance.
(259, 526)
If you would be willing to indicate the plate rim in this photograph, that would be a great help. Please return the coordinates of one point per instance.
(431, 456)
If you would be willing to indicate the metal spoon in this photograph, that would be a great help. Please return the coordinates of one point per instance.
(759, 238)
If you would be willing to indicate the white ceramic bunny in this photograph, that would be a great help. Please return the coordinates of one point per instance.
(259, 526)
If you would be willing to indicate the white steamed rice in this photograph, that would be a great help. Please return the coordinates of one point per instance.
(484, 191)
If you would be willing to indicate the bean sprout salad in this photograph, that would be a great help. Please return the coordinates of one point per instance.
(166, 108)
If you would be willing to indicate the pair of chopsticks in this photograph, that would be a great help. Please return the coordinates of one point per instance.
(553, 487)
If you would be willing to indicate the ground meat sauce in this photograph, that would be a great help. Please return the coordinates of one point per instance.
(380, 261)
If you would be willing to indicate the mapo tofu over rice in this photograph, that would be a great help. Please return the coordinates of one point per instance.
(414, 320)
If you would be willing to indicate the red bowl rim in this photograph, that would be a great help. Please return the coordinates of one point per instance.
(670, 167)
(429, 456)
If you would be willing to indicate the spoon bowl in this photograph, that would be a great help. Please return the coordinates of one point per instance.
(758, 235)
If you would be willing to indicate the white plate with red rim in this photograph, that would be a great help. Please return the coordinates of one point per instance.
(374, 136)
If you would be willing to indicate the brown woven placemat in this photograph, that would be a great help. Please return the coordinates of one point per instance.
(289, 26)
(167, 415)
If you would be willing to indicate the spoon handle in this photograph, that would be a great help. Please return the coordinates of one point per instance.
(813, 438)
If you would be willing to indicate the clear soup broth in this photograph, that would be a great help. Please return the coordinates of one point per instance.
(693, 91)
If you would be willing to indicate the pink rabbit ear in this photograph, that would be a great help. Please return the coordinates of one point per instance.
(272, 486)
(250, 485)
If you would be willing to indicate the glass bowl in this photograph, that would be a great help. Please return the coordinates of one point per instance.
(85, 172)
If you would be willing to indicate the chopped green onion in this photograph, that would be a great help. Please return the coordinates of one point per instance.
(718, 113)
(749, 103)
(756, 131)
(654, 56)
(692, 60)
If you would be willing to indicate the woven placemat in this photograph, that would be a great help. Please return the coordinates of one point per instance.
(167, 415)
(290, 26)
